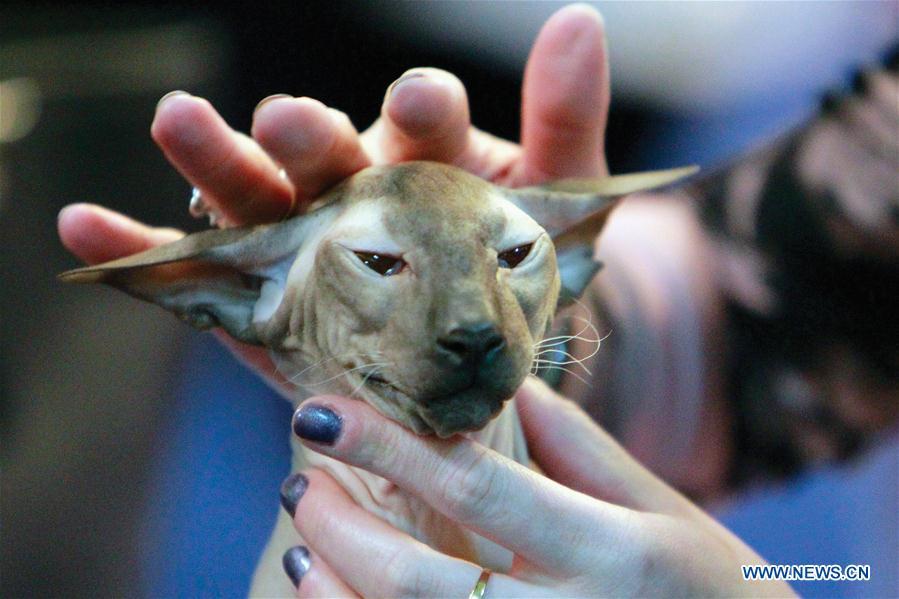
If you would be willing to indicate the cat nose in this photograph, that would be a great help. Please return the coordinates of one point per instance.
(473, 345)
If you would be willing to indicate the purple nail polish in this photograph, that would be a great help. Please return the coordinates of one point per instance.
(292, 490)
(296, 562)
(317, 423)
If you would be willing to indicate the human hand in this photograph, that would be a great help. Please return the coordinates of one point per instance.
(424, 116)
(600, 525)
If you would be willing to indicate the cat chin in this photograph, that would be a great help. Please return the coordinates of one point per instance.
(393, 403)
(463, 411)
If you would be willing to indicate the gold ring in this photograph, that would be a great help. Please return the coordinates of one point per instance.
(480, 587)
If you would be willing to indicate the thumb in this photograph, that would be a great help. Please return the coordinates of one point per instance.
(573, 450)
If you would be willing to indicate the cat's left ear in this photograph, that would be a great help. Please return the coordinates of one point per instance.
(574, 212)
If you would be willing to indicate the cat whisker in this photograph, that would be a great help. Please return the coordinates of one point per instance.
(560, 339)
(553, 367)
(346, 372)
(293, 379)
(550, 347)
(573, 360)
(368, 355)
(364, 380)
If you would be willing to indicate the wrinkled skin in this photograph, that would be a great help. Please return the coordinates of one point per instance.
(438, 342)
(451, 280)
(302, 289)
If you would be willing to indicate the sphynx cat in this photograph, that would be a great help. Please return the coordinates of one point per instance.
(418, 288)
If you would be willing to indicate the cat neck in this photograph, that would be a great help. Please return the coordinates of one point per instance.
(503, 435)
(412, 515)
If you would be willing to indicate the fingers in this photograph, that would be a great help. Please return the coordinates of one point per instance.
(573, 450)
(312, 575)
(463, 480)
(565, 98)
(317, 146)
(369, 555)
(235, 175)
(95, 234)
(424, 117)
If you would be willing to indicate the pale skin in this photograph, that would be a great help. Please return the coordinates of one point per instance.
(597, 522)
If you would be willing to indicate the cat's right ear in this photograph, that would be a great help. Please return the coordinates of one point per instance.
(233, 278)
(574, 212)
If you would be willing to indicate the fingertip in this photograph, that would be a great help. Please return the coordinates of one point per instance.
(184, 120)
(534, 385)
(422, 104)
(78, 222)
(578, 15)
(321, 581)
(268, 99)
(566, 97)
(290, 127)
(576, 31)
(70, 222)
(316, 145)
(171, 94)
(96, 234)
(296, 562)
(534, 395)
(542, 408)
(343, 428)
(68, 215)
(425, 116)
(318, 420)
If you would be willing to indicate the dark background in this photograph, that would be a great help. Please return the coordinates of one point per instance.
(87, 376)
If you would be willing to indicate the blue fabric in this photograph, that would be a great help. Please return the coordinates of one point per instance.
(845, 515)
(214, 494)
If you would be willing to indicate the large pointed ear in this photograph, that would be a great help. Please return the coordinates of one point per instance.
(214, 278)
(574, 212)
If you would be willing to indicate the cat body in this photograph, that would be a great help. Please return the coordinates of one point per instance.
(418, 288)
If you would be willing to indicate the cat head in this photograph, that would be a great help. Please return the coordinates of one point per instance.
(418, 287)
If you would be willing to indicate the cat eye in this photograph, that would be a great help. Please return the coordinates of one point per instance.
(383, 264)
(512, 258)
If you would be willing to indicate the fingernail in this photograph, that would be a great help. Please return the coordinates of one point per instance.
(63, 212)
(171, 94)
(317, 423)
(401, 80)
(268, 99)
(292, 490)
(296, 563)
